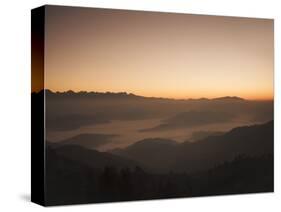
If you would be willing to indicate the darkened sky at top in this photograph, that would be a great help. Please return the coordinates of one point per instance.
(158, 54)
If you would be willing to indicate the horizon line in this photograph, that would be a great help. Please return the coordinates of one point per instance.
(157, 97)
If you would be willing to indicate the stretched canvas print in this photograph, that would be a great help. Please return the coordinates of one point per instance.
(136, 105)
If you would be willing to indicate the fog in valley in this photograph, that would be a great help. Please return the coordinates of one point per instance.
(121, 119)
(148, 105)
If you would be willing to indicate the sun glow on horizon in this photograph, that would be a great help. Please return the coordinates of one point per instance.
(256, 97)
(165, 55)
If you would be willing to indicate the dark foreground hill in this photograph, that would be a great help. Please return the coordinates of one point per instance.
(240, 161)
(71, 182)
(89, 157)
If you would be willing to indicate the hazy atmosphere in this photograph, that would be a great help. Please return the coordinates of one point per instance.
(148, 105)
(158, 54)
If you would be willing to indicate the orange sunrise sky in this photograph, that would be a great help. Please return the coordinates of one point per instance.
(158, 54)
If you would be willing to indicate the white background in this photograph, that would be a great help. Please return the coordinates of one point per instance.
(15, 105)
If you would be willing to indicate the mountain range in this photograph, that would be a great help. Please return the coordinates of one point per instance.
(165, 155)
(238, 161)
(124, 95)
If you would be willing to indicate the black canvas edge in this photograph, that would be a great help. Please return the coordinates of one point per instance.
(37, 106)
(38, 175)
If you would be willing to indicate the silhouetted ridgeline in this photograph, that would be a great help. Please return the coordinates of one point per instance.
(85, 94)
(88, 140)
(239, 161)
(70, 110)
(199, 135)
(164, 156)
(122, 95)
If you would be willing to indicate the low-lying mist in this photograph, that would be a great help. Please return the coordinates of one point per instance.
(134, 118)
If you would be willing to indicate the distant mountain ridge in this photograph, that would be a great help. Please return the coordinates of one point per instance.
(229, 98)
(72, 110)
(71, 93)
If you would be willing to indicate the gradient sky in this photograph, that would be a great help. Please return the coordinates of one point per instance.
(158, 54)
